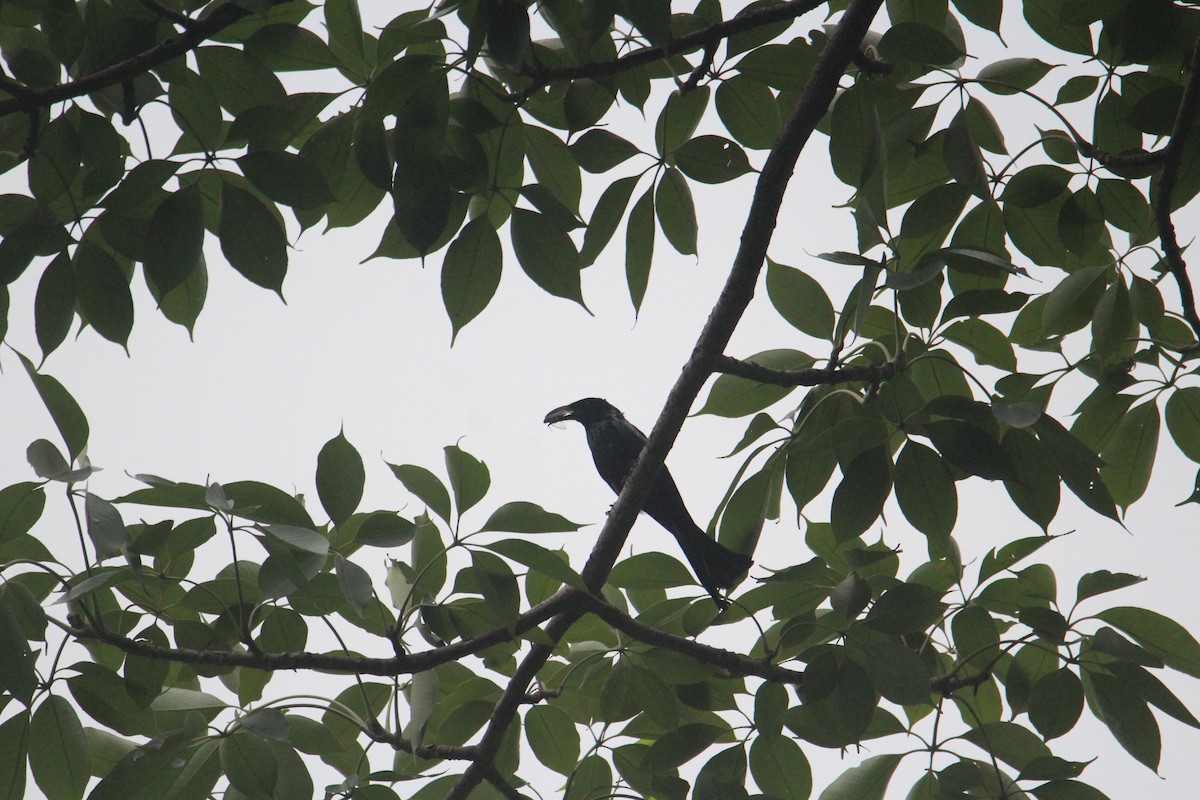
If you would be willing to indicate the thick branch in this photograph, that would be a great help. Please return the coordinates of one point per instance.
(705, 37)
(734, 663)
(731, 305)
(860, 373)
(197, 33)
(401, 664)
(1167, 180)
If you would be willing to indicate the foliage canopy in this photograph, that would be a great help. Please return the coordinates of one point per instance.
(139, 130)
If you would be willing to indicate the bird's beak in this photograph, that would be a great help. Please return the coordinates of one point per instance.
(560, 414)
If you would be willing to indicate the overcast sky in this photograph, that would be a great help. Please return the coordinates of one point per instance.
(366, 346)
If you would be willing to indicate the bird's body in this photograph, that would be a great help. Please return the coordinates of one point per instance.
(615, 444)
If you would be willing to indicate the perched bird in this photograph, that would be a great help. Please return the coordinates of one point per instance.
(615, 446)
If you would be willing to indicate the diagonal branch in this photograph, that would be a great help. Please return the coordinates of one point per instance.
(1167, 180)
(815, 100)
(195, 34)
(855, 373)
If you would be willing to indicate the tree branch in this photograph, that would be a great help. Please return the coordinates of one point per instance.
(1167, 180)
(702, 38)
(760, 224)
(400, 664)
(195, 34)
(734, 663)
(814, 376)
(432, 751)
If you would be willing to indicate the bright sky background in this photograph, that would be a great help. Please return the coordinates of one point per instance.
(366, 346)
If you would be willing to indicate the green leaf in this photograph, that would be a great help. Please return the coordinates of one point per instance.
(103, 293)
(591, 778)
(469, 478)
(553, 738)
(354, 582)
(18, 676)
(898, 673)
(300, 538)
(970, 448)
(732, 396)
(865, 486)
(21, 507)
(286, 178)
(67, 415)
(508, 32)
(546, 254)
(285, 48)
(650, 570)
(920, 44)
(925, 491)
(1129, 455)
(770, 706)
(800, 300)
(252, 238)
(1101, 581)
(679, 118)
(599, 150)
(1011, 743)
(1077, 465)
(249, 764)
(1081, 222)
(14, 750)
(1078, 87)
(989, 346)
(54, 304)
(1162, 636)
(554, 165)
(1011, 75)
(867, 781)
(780, 768)
(471, 272)
(1035, 186)
(548, 562)
(748, 111)
(340, 478)
(1036, 491)
(384, 529)
(104, 527)
(426, 486)
(1056, 702)
(58, 751)
(712, 159)
(639, 247)
(238, 80)
(1183, 420)
(344, 22)
(906, 608)
(1126, 715)
(676, 212)
(522, 517)
(606, 217)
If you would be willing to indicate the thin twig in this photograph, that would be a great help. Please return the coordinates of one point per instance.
(1189, 105)
(733, 663)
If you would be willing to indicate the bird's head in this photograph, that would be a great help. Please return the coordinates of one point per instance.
(585, 411)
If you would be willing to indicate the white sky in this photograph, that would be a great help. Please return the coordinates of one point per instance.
(367, 346)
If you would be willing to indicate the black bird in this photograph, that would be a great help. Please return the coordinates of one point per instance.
(615, 446)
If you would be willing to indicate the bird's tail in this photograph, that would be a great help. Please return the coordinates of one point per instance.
(716, 566)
